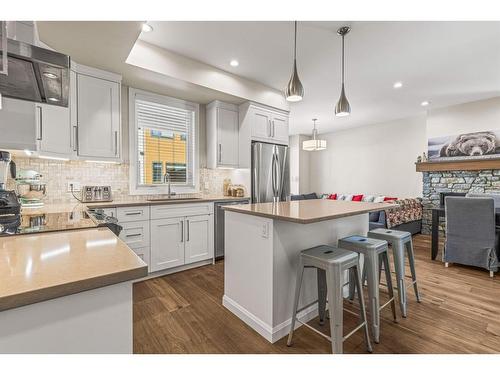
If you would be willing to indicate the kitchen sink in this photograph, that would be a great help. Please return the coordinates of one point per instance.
(172, 199)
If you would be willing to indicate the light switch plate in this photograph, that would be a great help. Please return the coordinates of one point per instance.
(265, 230)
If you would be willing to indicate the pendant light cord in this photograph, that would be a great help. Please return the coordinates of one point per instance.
(342, 60)
(295, 43)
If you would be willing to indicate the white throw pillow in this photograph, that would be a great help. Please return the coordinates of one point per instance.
(348, 197)
(379, 199)
(368, 198)
(341, 197)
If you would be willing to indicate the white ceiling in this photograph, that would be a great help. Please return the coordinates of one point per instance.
(444, 62)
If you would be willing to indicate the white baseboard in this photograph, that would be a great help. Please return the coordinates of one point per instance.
(169, 271)
(271, 334)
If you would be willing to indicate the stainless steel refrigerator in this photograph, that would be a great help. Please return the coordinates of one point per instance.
(270, 172)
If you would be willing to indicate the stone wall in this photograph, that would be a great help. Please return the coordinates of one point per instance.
(486, 181)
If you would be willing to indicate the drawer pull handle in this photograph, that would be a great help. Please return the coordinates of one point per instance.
(133, 213)
(133, 235)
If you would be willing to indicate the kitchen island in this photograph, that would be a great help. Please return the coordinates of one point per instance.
(67, 292)
(262, 245)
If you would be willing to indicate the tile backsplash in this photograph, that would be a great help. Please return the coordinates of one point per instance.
(56, 174)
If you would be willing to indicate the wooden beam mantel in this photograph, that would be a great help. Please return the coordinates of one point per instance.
(458, 165)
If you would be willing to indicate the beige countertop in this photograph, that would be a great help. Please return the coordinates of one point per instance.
(309, 211)
(81, 207)
(38, 267)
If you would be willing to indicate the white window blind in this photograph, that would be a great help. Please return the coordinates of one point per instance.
(165, 143)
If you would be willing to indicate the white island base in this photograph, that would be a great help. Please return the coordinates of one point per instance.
(261, 256)
(94, 321)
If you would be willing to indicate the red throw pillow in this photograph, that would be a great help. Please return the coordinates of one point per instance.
(357, 198)
(332, 196)
(390, 199)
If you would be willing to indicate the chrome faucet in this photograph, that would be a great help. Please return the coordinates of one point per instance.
(166, 180)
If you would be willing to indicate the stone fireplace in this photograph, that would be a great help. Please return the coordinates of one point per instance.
(435, 182)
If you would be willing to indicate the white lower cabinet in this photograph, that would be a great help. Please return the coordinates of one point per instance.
(186, 238)
(144, 254)
(136, 233)
(199, 239)
(167, 243)
(176, 234)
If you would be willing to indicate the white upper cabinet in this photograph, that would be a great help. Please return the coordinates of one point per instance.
(95, 113)
(260, 123)
(54, 136)
(222, 135)
(17, 125)
(279, 127)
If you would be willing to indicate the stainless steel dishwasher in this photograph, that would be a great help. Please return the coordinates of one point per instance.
(219, 223)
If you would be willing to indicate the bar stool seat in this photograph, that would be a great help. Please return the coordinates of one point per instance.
(399, 241)
(374, 253)
(330, 263)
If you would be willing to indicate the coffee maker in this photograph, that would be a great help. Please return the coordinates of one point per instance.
(10, 207)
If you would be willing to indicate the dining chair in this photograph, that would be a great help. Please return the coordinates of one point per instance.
(471, 237)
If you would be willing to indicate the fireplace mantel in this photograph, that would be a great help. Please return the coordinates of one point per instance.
(458, 165)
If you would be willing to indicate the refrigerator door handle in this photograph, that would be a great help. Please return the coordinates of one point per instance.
(257, 148)
(275, 177)
(282, 174)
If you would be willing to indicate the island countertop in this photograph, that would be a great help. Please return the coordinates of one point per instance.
(309, 211)
(38, 267)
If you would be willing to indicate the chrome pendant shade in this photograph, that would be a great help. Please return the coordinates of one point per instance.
(294, 91)
(314, 144)
(343, 108)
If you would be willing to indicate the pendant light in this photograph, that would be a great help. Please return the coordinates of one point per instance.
(343, 108)
(314, 144)
(294, 91)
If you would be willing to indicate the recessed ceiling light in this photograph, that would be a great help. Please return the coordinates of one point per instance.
(49, 75)
(397, 85)
(425, 103)
(146, 28)
(53, 99)
(234, 63)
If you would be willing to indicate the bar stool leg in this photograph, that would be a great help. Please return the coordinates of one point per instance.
(388, 278)
(352, 286)
(298, 284)
(411, 260)
(362, 309)
(335, 306)
(371, 262)
(321, 276)
(399, 265)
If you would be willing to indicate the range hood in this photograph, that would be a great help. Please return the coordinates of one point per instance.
(35, 74)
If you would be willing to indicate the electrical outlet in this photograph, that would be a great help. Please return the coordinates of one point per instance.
(75, 185)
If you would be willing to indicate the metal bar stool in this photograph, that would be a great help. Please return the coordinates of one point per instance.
(400, 241)
(374, 253)
(333, 262)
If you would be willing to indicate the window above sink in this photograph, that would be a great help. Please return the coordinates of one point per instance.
(163, 138)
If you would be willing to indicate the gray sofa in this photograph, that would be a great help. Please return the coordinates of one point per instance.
(378, 220)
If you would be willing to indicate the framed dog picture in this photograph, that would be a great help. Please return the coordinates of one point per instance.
(478, 145)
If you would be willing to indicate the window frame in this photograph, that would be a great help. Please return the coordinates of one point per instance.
(134, 186)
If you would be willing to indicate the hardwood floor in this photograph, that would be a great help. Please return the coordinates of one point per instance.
(459, 313)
